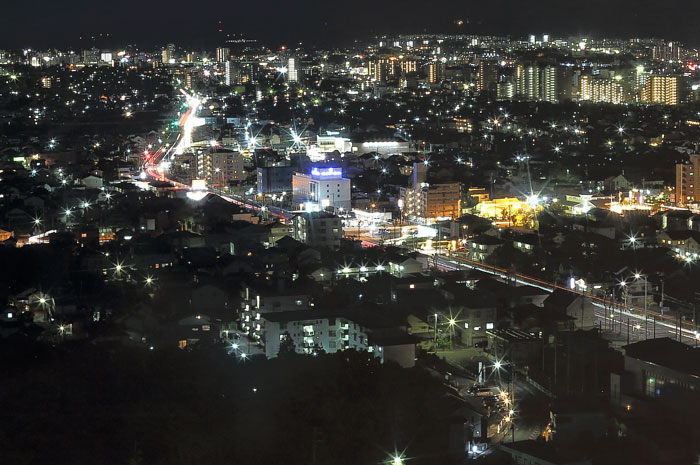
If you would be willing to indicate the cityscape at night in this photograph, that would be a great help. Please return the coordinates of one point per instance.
(300, 236)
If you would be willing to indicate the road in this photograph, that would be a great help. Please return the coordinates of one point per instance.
(156, 165)
(624, 320)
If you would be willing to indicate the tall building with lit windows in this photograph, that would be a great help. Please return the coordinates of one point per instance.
(543, 83)
(601, 90)
(527, 80)
(688, 181)
(233, 73)
(408, 66)
(436, 72)
(661, 89)
(222, 54)
(378, 69)
(488, 75)
(292, 72)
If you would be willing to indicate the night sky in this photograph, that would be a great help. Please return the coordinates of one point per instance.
(53, 23)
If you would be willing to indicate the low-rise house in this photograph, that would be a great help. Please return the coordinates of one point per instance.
(685, 244)
(481, 247)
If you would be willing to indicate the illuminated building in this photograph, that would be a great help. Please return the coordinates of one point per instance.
(640, 78)
(661, 89)
(666, 52)
(321, 188)
(688, 181)
(292, 72)
(505, 90)
(220, 167)
(378, 69)
(499, 208)
(488, 75)
(46, 82)
(408, 66)
(432, 202)
(318, 229)
(601, 90)
(222, 54)
(463, 124)
(168, 54)
(233, 73)
(528, 82)
(543, 83)
(436, 72)
(318, 331)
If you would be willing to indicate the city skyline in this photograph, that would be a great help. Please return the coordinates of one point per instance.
(72, 23)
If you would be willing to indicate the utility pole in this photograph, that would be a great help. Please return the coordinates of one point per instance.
(646, 314)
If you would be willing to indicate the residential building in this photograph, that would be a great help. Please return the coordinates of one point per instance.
(662, 89)
(688, 181)
(223, 54)
(221, 167)
(233, 73)
(318, 229)
(436, 72)
(292, 71)
(482, 246)
(601, 90)
(431, 202)
(257, 301)
(314, 331)
(488, 75)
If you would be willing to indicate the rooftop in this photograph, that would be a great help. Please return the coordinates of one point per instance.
(668, 353)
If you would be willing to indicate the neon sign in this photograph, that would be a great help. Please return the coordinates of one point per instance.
(327, 172)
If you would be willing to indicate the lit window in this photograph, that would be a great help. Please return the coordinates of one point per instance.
(466, 325)
(489, 325)
(206, 328)
(182, 344)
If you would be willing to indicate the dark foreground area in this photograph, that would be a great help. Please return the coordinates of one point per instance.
(82, 403)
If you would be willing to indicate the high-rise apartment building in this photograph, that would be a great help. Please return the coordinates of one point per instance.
(601, 90)
(688, 181)
(488, 75)
(233, 73)
(168, 54)
(436, 72)
(292, 72)
(505, 90)
(548, 83)
(222, 54)
(661, 89)
(528, 82)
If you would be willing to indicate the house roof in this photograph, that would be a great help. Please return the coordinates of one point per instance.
(668, 353)
(560, 299)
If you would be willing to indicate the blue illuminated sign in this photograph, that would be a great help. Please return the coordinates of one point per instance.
(327, 172)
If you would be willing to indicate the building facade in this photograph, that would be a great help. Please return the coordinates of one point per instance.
(318, 229)
(688, 181)
(321, 188)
